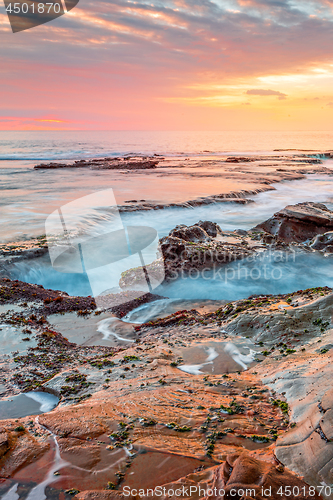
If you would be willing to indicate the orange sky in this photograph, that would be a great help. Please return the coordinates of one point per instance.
(172, 65)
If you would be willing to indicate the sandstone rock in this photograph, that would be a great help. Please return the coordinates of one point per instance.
(135, 279)
(298, 223)
(305, 381)
(132, 163)
(242, 472)
(304, 320)
(196, 247)
(4, 444)
(188, 249)
(99, 495)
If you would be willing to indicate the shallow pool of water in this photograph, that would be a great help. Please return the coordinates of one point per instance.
(100, 330)
(164, 307)
(218, 357)
(12, 338)
(269, 273)
(29, 403)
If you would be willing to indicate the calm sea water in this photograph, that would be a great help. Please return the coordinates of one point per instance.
(47, 145)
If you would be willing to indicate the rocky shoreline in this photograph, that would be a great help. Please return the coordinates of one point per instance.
(249, 175)
(138, 412)
(100, 386)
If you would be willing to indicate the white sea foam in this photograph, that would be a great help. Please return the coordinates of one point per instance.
(196, 369)
(107, 328)
(242, 359)
(46, 400)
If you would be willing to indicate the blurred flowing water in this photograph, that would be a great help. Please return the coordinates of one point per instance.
(28, 196)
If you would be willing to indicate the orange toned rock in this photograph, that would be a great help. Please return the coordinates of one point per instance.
(99, 495)
(243, 473)
(4, 444)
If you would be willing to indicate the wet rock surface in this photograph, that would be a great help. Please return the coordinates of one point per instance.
(127, 163)
(298, 223)
(236, 179)
(131, 415)
(189, 248)
(137, 398)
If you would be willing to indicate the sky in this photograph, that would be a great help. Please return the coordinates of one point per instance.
(171, 65)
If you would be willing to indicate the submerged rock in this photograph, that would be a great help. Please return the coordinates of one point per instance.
(298, 223)
(323, 242)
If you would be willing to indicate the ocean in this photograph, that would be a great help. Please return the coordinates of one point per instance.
(29, 196)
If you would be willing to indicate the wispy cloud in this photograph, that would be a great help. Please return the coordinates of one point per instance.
(138, 64)
(265, 93)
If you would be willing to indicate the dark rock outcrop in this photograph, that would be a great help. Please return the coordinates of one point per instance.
(190, 233)
(130, 163)
(190, 249)
(211, 228)
(197, 247)
(299, 223)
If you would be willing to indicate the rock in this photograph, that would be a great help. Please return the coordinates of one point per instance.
(4, 444)
(136, 279)
(242, 472)
(323, 242)
(132, 163)
(241, 232)
(298, 223)
(99, 495)
(268, 238)
(305, 380)
(192, 233)
(304, 320)
(211, 228)
(180, 255)
(188, 249)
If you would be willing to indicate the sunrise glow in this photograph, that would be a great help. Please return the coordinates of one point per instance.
(172, 65)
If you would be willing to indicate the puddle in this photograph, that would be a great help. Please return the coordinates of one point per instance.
(83, 465)
(165, 307)
(218, 357)
(100, 330)
(29, 403)
(151, 468)
(4, 308)
(106, 330)
(11, 338)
